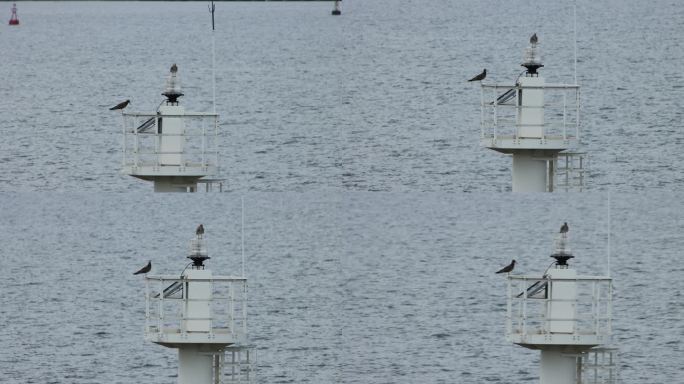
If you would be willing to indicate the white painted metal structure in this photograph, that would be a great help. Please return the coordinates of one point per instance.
(204, 316)
(566, 316)
(533, 121)
(172, 148)
(336, 8)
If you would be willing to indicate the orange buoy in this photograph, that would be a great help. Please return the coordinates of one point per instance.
(14, 20)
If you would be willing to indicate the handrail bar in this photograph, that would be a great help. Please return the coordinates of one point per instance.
(186, 114)
(176, 278)
(542, 278)
(518, 86)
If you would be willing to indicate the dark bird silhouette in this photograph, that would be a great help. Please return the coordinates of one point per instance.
(121, 105)
(174, 68)
(564, 228)
(480, 77)
(145, 269)
(200, 230)
(507, 268)
(534, 39)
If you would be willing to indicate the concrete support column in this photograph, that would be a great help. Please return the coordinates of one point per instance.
(529, 173)
(557, 367)
(195, 366)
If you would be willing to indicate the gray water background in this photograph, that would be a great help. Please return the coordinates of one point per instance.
(344, 288)
(373, 100)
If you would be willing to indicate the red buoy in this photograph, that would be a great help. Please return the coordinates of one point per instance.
(14, 20)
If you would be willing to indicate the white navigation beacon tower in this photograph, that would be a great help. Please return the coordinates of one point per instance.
(336, 8)
(204, 316)
(173, 148)
(568, 318)
(537, 123)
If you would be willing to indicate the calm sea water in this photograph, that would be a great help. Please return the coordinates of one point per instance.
(373, 100)
(344, 288)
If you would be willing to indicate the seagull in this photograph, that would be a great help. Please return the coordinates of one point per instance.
(507, 268)
(121, 105)
(480, 77)
(174, 68)
(145, 269)
(200, 230)
(564, 228)
(534, 39)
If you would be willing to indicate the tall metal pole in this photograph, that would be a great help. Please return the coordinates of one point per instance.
(609, 230)
(242, 199)
(212, 10)
(574, 27)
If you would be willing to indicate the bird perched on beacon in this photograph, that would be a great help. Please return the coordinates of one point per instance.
(480, 77)
(200, 230)
(508, 268)
(174, 68)
(145, 269)
(121, 105)
(534, 39)
(564, 228)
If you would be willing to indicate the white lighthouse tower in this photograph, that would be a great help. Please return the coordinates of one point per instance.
(567, 317)
(173, 148)
(538, 124)
(204, 316)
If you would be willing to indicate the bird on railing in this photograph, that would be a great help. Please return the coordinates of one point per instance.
(564, 228)
(480, 77)
(145, 269)
(200, 231)
(508, 268)
(534, 39)
(121, 105)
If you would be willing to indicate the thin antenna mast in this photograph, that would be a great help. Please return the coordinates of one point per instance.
(609, 231)
(212, 10)
(574, 27)
(242, 200)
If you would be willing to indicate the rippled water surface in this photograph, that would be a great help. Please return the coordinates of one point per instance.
(344, 288)
(372, 100)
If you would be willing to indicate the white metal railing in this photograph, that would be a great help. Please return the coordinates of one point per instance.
(530, 301)
(598, 366)
(238, 365)
(142, 138)
(500, 111)
(571, 171)
(166, 299)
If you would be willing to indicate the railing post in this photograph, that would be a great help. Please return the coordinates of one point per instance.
(547, 305)
(496, 117)
(136, 147)
(517, 110)
(482, 112)
(204, 138)
(575, 305)
(524, 308)
(157, 142)
(509, 306)
(595, 305)
(521, 282)
(160, 318)
(123, 141)
(147, 305)
(216, 152)
(244, 307)
(565, 136)
(231, 308)
(577, 118)
(609, 308)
